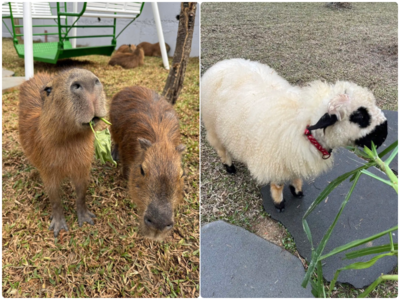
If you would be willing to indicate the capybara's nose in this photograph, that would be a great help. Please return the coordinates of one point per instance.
(159, 223)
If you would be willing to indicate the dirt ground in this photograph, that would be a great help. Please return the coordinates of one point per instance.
(302, 42)
(109, 259)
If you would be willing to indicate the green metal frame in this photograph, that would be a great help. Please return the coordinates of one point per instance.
(53, 51)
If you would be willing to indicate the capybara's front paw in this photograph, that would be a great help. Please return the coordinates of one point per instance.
(57, 224)
(84, 215)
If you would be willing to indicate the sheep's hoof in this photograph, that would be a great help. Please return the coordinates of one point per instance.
(280, 207)
(230, 169)
(293, 191)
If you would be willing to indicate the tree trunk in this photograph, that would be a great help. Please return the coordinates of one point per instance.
(176, 74)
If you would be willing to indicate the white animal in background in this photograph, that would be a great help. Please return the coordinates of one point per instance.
(284, 133)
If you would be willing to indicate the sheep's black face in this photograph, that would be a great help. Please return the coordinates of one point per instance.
(377, 135)
(361, 117)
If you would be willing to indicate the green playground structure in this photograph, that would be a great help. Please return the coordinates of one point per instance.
(51, 52)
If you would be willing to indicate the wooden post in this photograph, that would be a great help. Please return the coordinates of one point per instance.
(176, 74)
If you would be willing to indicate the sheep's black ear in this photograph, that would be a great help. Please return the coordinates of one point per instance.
(325, 121)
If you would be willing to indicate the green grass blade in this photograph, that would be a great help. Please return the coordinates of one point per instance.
(359, 242)
(320, 283)
(371, 250)
(105, 121)
(370, 288)
(376, 282)
(388, 149)
(307, 230)
(366, 172)
(366, 264)
(357, 266)
(327, 235)
(331, 186)
(392, 156)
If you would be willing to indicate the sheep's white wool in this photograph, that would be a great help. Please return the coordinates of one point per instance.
(258, 118)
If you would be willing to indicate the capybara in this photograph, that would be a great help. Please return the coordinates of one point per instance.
(153, 49)
(128, 60)
(146, 134)
(126, 48)
(54, 131)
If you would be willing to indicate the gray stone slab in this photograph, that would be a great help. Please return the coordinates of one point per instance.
(7, 73)
(393, 135)
(10, 83)
(373, 207)
(238, 264)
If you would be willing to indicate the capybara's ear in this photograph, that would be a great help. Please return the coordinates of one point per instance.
(45, 92)
(180, 148)
(144, 143)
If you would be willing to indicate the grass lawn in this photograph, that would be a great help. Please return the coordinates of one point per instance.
(302, 42)
(109, 259)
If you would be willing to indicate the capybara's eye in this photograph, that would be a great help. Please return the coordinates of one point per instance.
(141, 170)
(183, 172)
(48, 90)
(76, 86)
(97, 81)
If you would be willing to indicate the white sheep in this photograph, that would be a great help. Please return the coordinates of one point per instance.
(254, 116)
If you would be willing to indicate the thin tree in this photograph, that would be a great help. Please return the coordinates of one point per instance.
(176, 74)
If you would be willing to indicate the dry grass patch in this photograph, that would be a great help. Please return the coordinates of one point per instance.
(302, 42)
(109, 259)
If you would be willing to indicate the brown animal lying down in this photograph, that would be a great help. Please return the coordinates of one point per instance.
(54, 131)
(153, 49)
(145, 130)
(128, 60)
(126, 49)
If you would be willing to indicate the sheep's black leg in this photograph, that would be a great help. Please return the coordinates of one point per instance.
(277, 197)
(296, 188)
(230, 169)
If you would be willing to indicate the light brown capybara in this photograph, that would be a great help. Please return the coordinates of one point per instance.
(153, 49)
(146, 134)
(126, 48)
(54, 131)
(128, 60)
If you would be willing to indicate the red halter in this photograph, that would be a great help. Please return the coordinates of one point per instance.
(325, 153)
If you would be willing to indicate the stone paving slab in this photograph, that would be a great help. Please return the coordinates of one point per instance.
(372, 208)
(10, 83)
(238, 264)
(7, 73)
(393, 135)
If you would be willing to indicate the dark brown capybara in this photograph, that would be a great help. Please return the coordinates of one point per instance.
(128, 60)
(153, 49)
(54, 131)
(126, 48)
(146, 134)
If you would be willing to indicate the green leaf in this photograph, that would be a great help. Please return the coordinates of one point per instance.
(359, 242)
(376, 282)
(358, 266)
(331, 186)
(102, 145)
(392, 156)
(388, 149)
(307, 230)
(366, 172)
(328, 233)
(370, 250)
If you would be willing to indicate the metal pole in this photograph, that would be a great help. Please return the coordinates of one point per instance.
(157, 20)
(28, 41)
(74, 30)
